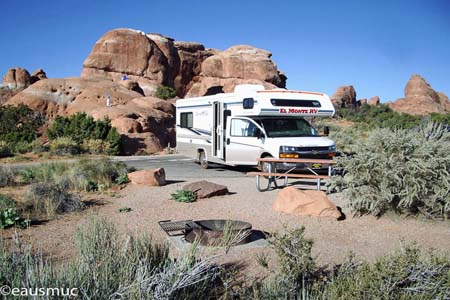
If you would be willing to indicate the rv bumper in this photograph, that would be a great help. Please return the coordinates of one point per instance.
(303, 166)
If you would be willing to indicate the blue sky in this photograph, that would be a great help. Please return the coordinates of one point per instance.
(320, 45)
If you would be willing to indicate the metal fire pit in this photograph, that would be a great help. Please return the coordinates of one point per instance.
(210, 232)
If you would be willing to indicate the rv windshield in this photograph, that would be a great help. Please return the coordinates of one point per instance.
(288, 127)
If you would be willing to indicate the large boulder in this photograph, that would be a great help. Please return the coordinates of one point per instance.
(305, 203)
(155, 177)
(191, 57)
(37, 75)
(16, 78)
(374, 101)
(344, 97)
(206, 189)
(152, 60)
(243, 62)
(421, 99)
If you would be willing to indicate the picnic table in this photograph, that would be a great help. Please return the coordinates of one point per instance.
(270, 171)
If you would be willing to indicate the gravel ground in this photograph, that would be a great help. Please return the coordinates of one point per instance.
(367, 237)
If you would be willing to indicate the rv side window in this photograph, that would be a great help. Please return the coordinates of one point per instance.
(240, 127)
(186, 120)
(248, 103)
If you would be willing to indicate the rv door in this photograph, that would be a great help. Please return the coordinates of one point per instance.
(245, 141)
(217, 130)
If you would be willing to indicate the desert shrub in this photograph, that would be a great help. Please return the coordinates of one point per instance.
(10, 213)
(95, 146)
(46, 172)
(5, 149)
(22, 147)
(405, 274)
(440, 118)
(37, 147)
(7, 176)
(19, 124)
(122, 179)
(64, 146)
(52, 198)
(80, 127)
(82, 175)
(347, 138)
(405, 171)
(165, 92)
(184, 196)
(370, 117)
(111, 266)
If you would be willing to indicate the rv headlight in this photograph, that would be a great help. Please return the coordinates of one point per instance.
(287, 148)
(332, 148)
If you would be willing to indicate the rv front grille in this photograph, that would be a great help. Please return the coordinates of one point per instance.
(304, 149)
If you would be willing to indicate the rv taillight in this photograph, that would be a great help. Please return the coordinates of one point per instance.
(332, 154)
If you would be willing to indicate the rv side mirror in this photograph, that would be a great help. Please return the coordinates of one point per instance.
(326, 130)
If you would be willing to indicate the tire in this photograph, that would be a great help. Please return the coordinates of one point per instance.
(202, 160)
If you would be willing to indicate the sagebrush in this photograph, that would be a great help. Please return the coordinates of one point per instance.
(407, 171)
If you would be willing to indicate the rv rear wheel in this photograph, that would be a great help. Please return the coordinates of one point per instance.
(202, 160)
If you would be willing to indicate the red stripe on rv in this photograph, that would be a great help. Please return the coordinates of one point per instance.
(297, 92)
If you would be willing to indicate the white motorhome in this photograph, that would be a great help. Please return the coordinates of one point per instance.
(238, 128)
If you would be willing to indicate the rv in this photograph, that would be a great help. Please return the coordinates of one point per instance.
(238, 128)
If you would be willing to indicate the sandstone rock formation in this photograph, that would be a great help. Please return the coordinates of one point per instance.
(344, 97)
(362, 101)
(421, 99)
(37, 75)
(67, 96)
(146, 123)
(374, 101)
(155, 177)
(16, 78)
(305, 203)
(206, 189)
(152, 60)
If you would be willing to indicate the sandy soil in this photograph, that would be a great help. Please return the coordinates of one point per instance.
(367, 237)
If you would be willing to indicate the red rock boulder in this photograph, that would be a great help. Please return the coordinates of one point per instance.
(155, 177)
(374, 101)
(421, 99)
(206, 189)
(16, 78)
(305, 203)
(344, 97)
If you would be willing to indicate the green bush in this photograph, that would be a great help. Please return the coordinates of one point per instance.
(22, 147)
(95, 146)
(52, 198)
(122, 179)
(65, 146)
(406, 171)
(165, 92)
(80, 128)
(19, 124)
(9, 213)
(5, 149)
(440, 118)
(369, 117)
(184, 196)
(7, 176)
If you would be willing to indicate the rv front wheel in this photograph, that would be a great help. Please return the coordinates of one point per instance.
(202, 160)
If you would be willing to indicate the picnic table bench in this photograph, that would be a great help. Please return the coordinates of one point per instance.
(272, 174)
